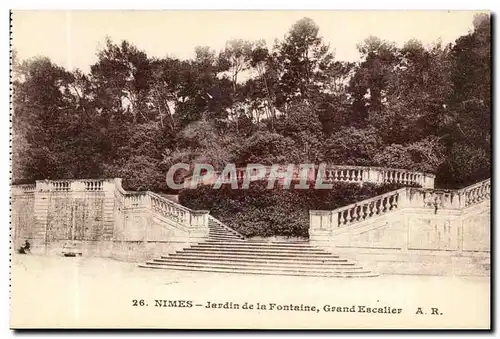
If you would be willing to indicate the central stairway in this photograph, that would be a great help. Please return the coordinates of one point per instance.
(226, 251)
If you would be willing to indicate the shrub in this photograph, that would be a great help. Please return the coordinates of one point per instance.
(258, 211)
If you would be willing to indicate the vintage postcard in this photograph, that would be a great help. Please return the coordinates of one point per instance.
(250, 169)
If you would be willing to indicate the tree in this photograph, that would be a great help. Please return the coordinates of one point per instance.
(303, 57)
(425, 155)
(352, 146)
(372, 76)
(57, 142)
(468, 131)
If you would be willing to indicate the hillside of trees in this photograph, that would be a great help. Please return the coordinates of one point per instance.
(132, 116)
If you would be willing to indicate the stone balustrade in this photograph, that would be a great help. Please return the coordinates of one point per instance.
(23, 189)
(476, 193)
(170, 209)
(407, 197)
(81, 185)
(127, 200)
(155, 203)
(365, 209)
(339, 173)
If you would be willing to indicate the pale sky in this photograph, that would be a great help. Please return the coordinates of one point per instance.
(71, 38)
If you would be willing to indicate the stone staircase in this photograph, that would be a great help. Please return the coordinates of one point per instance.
(226, 251)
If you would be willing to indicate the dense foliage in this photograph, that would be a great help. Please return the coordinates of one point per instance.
(133, 116)
(258, 211)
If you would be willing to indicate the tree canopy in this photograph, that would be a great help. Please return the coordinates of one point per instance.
(132, 116)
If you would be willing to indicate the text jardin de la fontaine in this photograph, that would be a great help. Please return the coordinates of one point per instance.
(282, 307)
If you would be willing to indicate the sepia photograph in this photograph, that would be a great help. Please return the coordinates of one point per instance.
(250, 169)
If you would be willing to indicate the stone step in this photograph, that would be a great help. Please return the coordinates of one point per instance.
(258, 254)
(211, 230)
(215, 234)
(263, 263)
(244, 246)
(257, 250)
(259, 243)
(219, 228)
(224, 237)
(248, 257)
(223, 233)
(208, 243)
(260, 271)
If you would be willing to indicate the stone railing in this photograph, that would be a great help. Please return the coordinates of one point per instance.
(378, 175)
(190, 220)
(407, 197)
(169, 209)
(23, 189)
(81, 185)
(163, 207)
(339, 173)
(366, 209)
(476, 193)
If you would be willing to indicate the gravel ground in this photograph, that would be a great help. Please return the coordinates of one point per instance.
(59, 292)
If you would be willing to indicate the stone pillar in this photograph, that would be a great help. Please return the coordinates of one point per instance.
(374, 176)
(428, 180)
(198, 228)
(77, 186)
(41, 210)
(366, 175)
(321, 224)
(403, 198)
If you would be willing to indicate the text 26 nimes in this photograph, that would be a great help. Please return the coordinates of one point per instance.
(377, 308)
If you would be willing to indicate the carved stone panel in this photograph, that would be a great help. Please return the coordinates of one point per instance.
(440, 233)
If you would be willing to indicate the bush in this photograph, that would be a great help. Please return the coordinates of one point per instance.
(258, 211)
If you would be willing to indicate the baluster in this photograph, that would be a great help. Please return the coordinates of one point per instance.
(393, 202)
(329, 175)
(354, 213)
(384, 204)
(364, 211)
(343, 219)
(361, 212)
(371, 209)
(360, 175)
